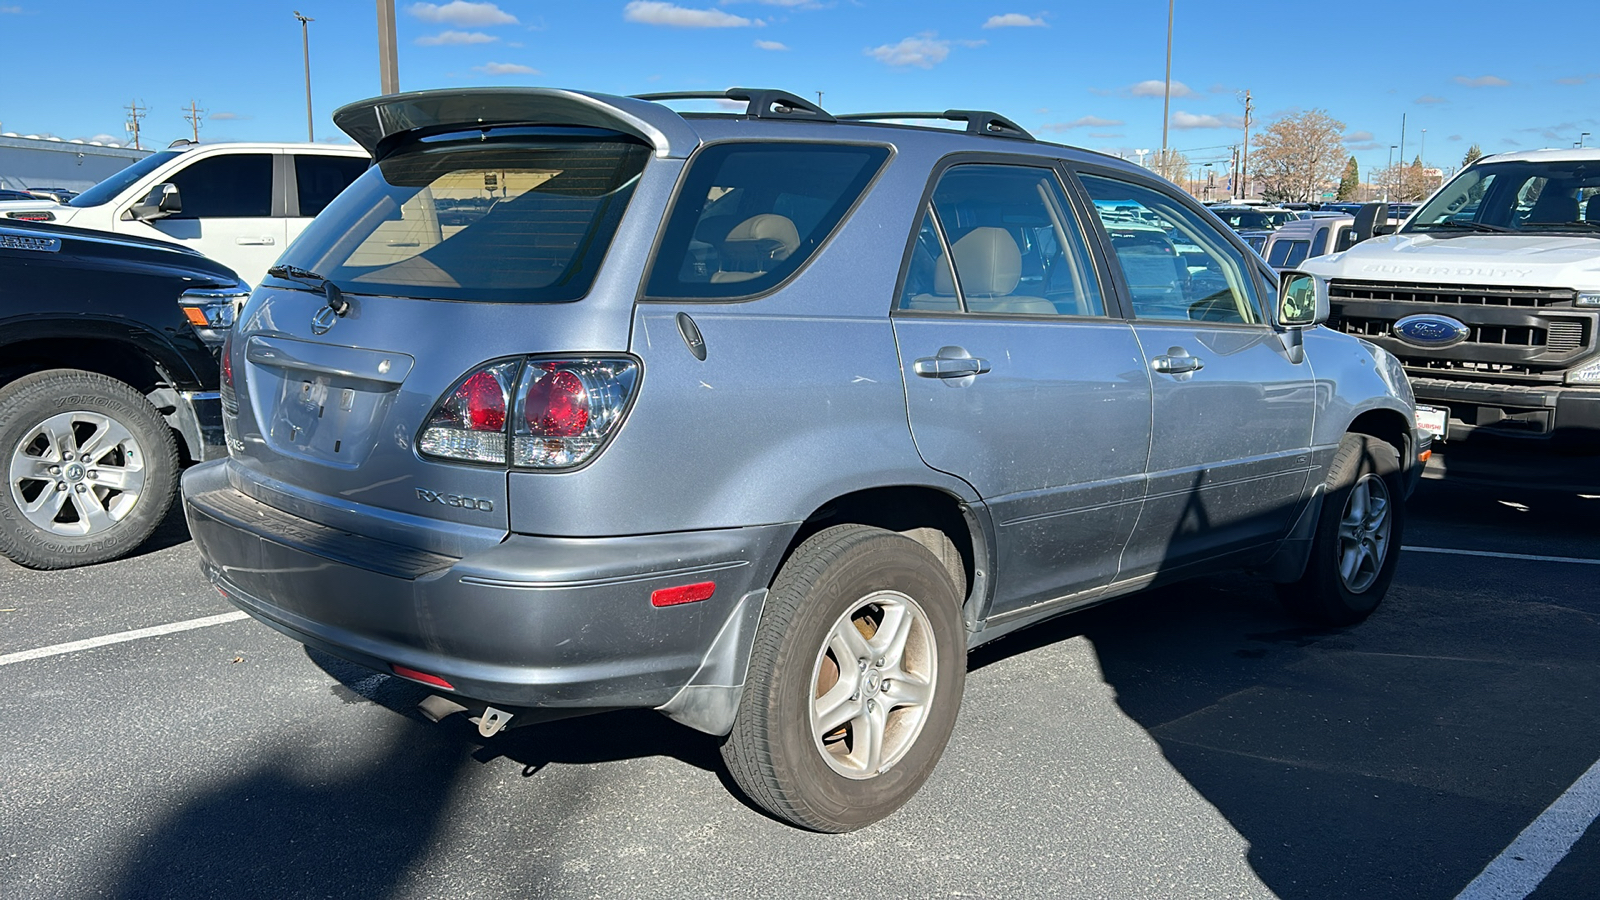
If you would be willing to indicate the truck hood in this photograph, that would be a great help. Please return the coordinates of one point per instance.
(1548, 260)
(61, 212)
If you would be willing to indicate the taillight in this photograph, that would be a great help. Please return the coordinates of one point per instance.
(566, 408)
(227, 362)
(470, 422)
(555, 414)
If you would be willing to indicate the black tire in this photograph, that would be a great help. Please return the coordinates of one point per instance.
(123, 491)
(773, 752)
(1342, 584)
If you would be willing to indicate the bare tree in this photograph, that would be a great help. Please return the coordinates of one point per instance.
(1171, 165)
(1298, 157)
(1405, 183)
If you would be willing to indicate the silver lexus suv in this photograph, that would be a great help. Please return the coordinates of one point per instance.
(765, 419)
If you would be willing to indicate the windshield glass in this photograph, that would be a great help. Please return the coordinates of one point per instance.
(107, 190)
(519, 219)
(1516, 196)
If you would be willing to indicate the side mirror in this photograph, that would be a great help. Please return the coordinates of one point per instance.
(1369, 218)
(162, 201)
(1302, 300)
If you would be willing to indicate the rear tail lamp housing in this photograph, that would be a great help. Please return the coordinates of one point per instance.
(531, 412)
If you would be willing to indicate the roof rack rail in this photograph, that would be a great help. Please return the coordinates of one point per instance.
(762, 103)
(979, 121)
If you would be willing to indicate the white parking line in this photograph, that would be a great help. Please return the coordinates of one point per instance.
(1519, 869)
(1583, 561)
(119, 638)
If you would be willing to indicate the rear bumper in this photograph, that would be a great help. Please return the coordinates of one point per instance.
(532, 622)
(1553, 414)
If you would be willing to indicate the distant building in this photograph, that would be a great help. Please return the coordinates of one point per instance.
(30, 161)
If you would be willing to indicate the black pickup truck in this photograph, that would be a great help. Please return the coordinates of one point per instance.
(108, 383)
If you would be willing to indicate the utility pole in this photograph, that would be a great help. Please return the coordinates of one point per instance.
(1244, 158)
(388, 54)
(1166, 88)
(305, 44)
(135, 113)
(1402, 151)
(819, 98)
(194, 113)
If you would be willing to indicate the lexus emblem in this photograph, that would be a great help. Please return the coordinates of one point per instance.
(323, 320)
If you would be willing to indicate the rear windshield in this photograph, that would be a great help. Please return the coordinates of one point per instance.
(749, 215)
(518, 220)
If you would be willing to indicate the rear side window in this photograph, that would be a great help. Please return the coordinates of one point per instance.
(1287, 254)
(515, 220)
(237, 186)
(319, 179)
(750, 215)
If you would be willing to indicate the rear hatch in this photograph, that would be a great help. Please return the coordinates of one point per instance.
(375, 373)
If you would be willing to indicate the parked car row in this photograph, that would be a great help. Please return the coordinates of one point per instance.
(760, 419)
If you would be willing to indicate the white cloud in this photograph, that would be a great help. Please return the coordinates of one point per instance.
(1481, 81)
(227, 116)
(1429, 99)
(1015, 20)
(460, 12)
(1184, 121)
(923, 51)
(655, 12)
(772, 45)
(803, 4)
(11, 10)
(1358, 137)
(495, 68)
(1085, 122)
(1153, 88)
(451, 38)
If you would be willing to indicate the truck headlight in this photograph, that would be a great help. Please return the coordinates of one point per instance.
(1588, 373)
(1587, 300)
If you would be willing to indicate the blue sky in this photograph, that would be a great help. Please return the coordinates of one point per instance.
(1087, 74)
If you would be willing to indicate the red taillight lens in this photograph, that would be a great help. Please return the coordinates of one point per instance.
(423, 677)
(470, 422)
(227, 361)
(688, 593)
(557, 405)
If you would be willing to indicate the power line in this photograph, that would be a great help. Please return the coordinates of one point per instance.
(135, 113)
(194, 114)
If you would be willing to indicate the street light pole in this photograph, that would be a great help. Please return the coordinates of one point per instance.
(1166, 87)
(305, 43)
(1388, 174)
(388, 56)
(1583, 140)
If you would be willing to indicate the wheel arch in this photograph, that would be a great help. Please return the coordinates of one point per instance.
(1388, 425)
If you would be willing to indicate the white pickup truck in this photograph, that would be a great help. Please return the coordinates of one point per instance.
(238, 203)
(1490, 296)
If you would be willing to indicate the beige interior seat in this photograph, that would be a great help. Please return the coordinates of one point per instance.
(991, 268)
(755, 246)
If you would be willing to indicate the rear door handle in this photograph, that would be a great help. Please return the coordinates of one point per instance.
(952, 362)
(1176, 362)
(265, 241)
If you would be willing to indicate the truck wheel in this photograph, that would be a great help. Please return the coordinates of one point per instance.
(91, 469)
(1357, 539)
(854, 683)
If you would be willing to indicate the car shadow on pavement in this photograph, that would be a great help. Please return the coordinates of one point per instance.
(1394, 758)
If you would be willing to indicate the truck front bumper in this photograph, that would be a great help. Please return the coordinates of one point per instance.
(1568, 417)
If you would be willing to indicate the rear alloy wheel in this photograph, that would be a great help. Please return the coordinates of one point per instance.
(91, 469)
(855, 681)
(1358, 536)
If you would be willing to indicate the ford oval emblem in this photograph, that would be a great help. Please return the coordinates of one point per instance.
(1430, 330)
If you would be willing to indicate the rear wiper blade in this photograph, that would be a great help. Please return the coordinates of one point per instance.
(336, 300)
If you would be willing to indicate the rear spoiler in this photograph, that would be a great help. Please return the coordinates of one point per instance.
(374, 121)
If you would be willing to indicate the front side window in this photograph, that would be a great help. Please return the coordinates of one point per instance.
(749, 215)
(319, 179)
(236, 186)
(1014, 244)
(1177, 265)
(515, 219)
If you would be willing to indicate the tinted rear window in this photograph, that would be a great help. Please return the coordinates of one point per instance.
(750, 215)
(514, 220)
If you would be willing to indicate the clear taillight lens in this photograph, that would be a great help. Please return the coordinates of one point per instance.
(554, 414)
(567, 408)
(470, 422)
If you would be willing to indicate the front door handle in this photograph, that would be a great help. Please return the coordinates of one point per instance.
(1177, 361)
(265, 241)
(952, 362)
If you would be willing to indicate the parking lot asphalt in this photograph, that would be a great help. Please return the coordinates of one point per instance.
(1190, 742)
